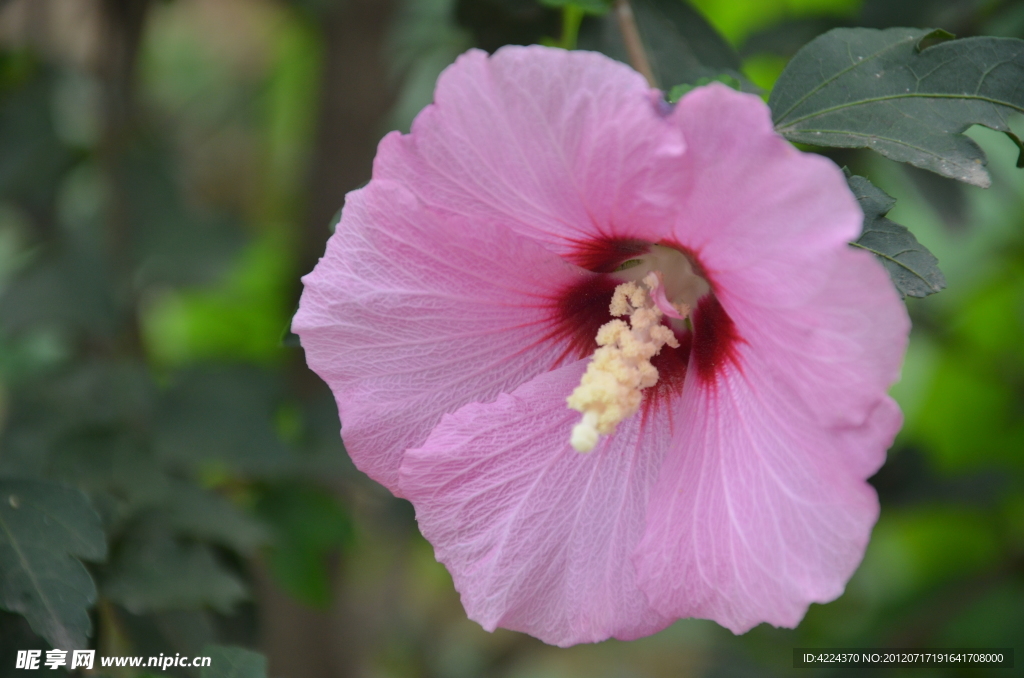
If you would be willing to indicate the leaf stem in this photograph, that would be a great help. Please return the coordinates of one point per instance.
(634, 45)
(572, 17)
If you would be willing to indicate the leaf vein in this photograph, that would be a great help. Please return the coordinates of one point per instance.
(892, 97)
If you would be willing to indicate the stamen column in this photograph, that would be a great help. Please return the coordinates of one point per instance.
(621, 368)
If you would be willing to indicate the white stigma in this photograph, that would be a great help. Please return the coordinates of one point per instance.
(621, 368)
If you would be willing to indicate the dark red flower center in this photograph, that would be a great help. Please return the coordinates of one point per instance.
(707, 342)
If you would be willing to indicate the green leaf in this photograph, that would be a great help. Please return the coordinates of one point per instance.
(681, 45)
(176, 243)
(17, 636)
(308, 525)
(201, 514)
(119, 474)
(221, 413)
(44, 529)
(32, 157)
(153, 571)
(588, 6)
(865, 88)
(679, 91)
(932, 545)
(233, 662)
(739, 20)
(65, 288)
(969, 412)
(914, 270)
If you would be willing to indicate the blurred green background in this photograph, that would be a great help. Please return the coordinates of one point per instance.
(168, 170)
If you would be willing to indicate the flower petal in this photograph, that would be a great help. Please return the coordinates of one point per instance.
(538, 537)
(762, 506)
(762, 218)
(410, 315)
(560, 146)
(839, 352)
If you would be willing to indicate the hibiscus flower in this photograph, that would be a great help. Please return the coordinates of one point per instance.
(460, 301)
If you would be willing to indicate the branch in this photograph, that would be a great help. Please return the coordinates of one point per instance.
(634, 45)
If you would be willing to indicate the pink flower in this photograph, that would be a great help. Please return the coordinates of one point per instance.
(457, 307)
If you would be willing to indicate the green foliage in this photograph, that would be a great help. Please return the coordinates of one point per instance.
(493, 23)
(864, 88)
(596, 7)
(737, 19)
(152, 570)
(33, 157)
(67, 288)
(995, 619)
(426, 40)
(233, 662)
(308, 526)
(44, 529)
(96, 234)
(677, 92)
(681, 45)
(240, 319)
(913, 269)
(205, 448)
(206, 516)
(174, 244)
(992, 324)
(968, 418)
(764, 69)
(220, 413)
(16, 635)
(964, 409)
(928, 547)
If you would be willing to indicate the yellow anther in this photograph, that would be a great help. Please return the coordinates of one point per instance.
(621, 368)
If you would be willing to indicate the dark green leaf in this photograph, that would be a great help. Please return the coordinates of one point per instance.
(914, 270)
(679, 91)
(17, 636)
(152, 571)
(493, 23)
(233, 662)
(67, 289)
(44, 529)
(102, 393)
(201, 514)
(223, 413)
(859, 87)
(175, 243)
(184, 631)
(681, 45)
(32, 158)
(288, 338)
(308, 524)
(588, 6)
(93, 398)
(120, 475)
